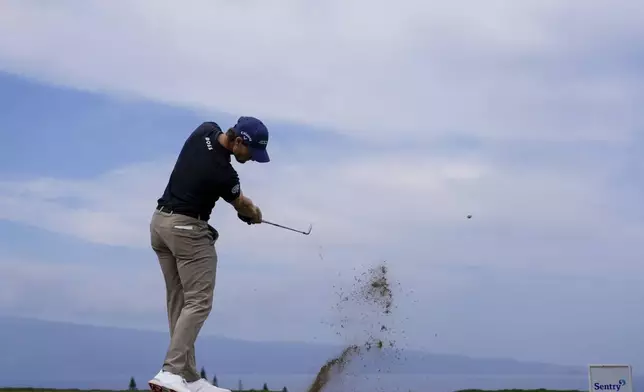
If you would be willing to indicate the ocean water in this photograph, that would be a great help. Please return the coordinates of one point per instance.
(406, 383)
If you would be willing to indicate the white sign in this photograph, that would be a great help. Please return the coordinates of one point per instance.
(615, 378)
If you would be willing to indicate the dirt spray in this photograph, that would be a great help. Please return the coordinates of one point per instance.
(371, 293)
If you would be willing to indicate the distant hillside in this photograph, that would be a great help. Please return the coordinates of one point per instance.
(39, 353)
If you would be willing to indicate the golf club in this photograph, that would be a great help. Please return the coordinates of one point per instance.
(289, 228)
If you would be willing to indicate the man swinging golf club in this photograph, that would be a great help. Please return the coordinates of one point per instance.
(184, 241)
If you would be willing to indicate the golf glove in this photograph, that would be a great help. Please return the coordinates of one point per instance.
(246, 219)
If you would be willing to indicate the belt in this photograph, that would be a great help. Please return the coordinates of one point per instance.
(186, 213)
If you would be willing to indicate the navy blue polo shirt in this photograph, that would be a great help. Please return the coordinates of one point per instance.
(202, 174)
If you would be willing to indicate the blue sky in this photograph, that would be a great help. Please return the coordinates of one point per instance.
(384, 137)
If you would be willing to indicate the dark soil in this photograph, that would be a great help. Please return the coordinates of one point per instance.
(336, 364)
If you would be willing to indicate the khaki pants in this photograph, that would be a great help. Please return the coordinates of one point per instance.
(186, 252)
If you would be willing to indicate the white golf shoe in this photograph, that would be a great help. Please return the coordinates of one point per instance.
(168, 382)
(202, 385)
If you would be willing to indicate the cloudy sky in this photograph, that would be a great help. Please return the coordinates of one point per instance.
(389, 124)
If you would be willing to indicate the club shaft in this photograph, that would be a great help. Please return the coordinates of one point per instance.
(285, 227)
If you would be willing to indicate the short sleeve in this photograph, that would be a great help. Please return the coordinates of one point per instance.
(230, 187)
(205, 128)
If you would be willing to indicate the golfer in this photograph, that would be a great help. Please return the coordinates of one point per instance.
(184, 241)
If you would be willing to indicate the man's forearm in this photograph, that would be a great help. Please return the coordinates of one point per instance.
(245, 206)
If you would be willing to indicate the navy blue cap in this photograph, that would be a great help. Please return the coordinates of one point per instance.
(255, 136)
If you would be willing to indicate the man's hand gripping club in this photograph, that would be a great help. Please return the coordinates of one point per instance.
(246, 210)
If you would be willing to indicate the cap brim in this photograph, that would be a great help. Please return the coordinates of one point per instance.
(260, 155)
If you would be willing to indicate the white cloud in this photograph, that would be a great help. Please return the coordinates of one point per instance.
(366, 206)
(506, 69)
(60, 290)
(100, 293)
